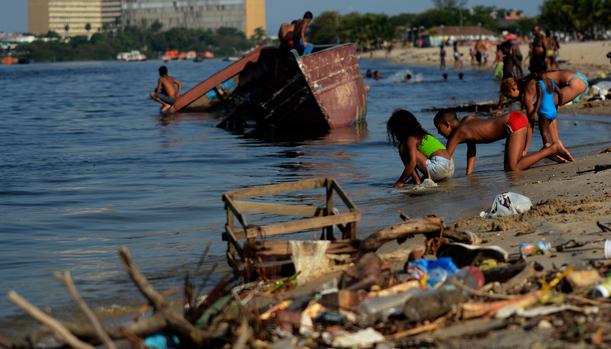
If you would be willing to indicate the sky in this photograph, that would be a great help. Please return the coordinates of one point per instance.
(14, 13)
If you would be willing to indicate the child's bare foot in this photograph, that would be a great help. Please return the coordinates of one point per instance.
(564, 152)
(555, 157)
(165, 108)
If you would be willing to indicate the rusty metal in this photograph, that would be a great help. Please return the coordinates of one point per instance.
(334, 77)
(323, 90)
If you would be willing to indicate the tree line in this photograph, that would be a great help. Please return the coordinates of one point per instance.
(587, 17)
(151, 41)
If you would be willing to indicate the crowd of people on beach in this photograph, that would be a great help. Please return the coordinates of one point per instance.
(539, 94)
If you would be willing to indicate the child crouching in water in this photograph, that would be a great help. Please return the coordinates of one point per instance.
(418, 149)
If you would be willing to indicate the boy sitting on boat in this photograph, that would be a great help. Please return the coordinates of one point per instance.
(166, 93)
(473, 130)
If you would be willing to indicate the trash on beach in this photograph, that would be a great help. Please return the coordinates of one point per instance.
(507, 204)
(362, 339)
(608, 249)
(445, 291)
(532, 249)
(603, 290)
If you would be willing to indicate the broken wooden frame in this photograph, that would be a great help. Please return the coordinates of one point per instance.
(316, 217)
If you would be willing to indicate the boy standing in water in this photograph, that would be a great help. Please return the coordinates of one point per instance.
(165, 92)
(472, 130)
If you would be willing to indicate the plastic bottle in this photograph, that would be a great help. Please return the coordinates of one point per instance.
(469, 276)
(431, 304)
(380, 308)
(531, 249)
(603, 290)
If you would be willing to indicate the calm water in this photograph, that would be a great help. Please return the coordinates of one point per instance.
(86, 166)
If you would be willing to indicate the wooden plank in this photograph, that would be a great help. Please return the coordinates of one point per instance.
(272, 189)
(233, 240)
(329, 207)
(216, 79)
(231, 206)
(281, 209)
(282, 248)
(302, 225)
(343, 195)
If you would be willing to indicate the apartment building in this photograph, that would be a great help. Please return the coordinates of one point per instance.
(72, 17)
(244, 15)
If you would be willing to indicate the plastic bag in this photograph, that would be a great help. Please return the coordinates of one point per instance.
(507, 204)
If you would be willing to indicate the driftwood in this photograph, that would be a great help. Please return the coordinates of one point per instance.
(66, 278)
(422, 225)
(174, 320)
(54, 325)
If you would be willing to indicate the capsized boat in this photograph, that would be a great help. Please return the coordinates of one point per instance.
(280, 89)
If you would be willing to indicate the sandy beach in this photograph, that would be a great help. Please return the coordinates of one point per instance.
(588, 57)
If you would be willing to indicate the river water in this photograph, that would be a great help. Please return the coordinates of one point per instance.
(87, 165)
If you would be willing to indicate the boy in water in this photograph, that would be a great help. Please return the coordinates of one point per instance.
(472, 130)
(165, 92)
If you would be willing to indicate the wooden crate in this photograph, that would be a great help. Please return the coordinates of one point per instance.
(249, 258)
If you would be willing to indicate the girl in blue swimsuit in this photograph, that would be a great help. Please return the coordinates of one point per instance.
(547, 108)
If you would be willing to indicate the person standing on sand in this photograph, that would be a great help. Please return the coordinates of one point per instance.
(479, 49)
(165, 93)
(552, 49)
(473, 130)
(457, 55)
(537, 52)
(304, 48)
(442, 56)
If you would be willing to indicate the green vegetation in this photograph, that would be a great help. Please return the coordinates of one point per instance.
(152, 42)
(589, 17)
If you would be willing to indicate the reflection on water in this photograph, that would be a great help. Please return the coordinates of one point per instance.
(85, 169)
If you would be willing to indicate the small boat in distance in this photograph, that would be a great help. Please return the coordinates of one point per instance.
(131, 56)
(272, 88)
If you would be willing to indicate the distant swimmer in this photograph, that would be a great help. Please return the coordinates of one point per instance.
(408, 77)
(304, 48)
(512, 127)
(419, 150)
(445, 76)
(165, 92)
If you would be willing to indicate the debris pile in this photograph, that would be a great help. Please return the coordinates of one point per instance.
(451, 286)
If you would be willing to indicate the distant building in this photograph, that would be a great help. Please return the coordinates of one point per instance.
(244, 15)
(437, 35)
(74, 15)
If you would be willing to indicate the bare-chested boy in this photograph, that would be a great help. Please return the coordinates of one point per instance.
(473, 130)
(304, 48)
(165, 92)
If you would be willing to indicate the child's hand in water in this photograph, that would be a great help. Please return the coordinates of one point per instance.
(398, 185)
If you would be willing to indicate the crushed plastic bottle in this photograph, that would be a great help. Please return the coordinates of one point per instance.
(381, 308)
(431, 304)
(603, 290)
(531, 249)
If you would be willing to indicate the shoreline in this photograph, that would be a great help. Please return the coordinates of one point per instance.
(570, 57)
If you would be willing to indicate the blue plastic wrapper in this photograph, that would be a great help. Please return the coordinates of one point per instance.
(433, 271)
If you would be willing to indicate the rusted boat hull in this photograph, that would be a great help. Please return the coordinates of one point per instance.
(320, 91)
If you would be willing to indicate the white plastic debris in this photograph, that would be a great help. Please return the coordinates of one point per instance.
(310, 259)
(507, 204)
(361, 339)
